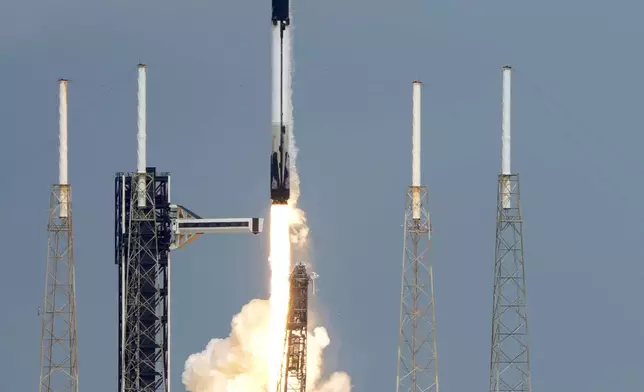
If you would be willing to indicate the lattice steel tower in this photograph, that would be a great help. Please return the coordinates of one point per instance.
(59, 347)
(417, 355)
(510, 351)
(293, 369)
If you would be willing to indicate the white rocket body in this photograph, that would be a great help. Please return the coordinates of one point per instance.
(282, 108)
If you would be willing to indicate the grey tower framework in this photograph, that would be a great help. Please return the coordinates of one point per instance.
(59, 348)
(417, 356)
(510, 350)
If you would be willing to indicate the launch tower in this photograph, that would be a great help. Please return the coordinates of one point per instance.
(510, 352)
(293, 372)
(59, 348)
(417, 356)
(147, 228)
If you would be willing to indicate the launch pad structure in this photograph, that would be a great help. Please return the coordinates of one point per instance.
(147, 228)
(293, 368)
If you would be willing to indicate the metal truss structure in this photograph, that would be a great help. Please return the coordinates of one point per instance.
(510, 351)
(417, 354)
(145, 234)
(59, 348)
(293, 369)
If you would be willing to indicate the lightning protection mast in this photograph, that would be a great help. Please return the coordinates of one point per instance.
(417, 356)
(510, 351)
(59, 346)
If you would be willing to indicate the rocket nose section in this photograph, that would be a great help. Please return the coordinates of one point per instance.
(280, 10)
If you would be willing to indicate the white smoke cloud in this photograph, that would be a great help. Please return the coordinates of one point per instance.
(233, 363)
(237, 363)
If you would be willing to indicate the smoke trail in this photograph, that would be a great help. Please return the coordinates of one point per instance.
(238, 363)
(299, 227)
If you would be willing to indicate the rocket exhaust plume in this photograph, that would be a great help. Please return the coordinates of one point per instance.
(505, 134)
(141, 138)
(280, 264)
(62, 147)
(250, 358)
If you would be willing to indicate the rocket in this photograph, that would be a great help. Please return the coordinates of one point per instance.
(282, 112)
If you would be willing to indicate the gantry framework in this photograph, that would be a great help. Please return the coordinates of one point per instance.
(145, 237)
(293, 369)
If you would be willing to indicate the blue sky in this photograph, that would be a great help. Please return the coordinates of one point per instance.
(576, 143)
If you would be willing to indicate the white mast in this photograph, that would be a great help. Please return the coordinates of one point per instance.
(505, 133)
(415, 150)
(141, 138)
(62, 147)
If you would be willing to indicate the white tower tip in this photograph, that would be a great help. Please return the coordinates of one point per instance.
(62, 132)
(415, 166)
(506, 120)
(505, 133)
(62, 148)
(141, 137)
